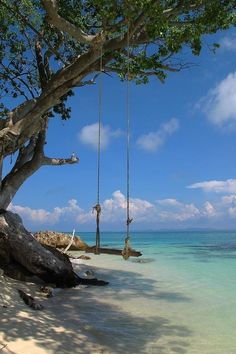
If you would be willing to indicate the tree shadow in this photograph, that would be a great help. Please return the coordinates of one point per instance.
(79, 320)
(127, 284)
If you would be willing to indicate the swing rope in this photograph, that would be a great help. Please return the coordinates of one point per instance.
(128, 220)
(126, 250)
(97, 208)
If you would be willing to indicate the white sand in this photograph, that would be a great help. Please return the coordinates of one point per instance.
(57, 329)
(96, 320)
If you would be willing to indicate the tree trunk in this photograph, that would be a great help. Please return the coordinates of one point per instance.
(19, 249)
(30, 159)
(13, 181)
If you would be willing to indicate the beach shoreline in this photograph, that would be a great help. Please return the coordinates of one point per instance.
(179, 299)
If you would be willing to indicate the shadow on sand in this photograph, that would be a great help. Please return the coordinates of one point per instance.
(80, 320)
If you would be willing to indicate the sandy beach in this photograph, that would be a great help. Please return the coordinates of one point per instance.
(165, 304)
(55, 329)
(87, 319)
(73, 321)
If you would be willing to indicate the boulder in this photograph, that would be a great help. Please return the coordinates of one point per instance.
(60, 240)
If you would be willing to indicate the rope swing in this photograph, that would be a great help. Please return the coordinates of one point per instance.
(127, 248)
(97, 208)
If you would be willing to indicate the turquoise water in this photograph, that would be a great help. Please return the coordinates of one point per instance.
(180, 299)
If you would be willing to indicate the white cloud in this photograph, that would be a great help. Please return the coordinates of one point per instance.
(163, 213)
(168, 202)
(228, 186)
(232, 212)
(153, 140)
(209, 210)
(228, 43)
(41, 216)
(89, 135)
(114, 209)
(174, 211)
(35, 215)
(220, 103)
(229, 199)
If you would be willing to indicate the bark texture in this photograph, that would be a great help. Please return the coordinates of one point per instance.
(19, 250)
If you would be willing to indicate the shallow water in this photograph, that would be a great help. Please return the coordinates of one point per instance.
(181, 299)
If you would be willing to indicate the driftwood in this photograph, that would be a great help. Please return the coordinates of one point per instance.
(21, 254)
(70, 243)
(113, 251)
(84, 257)
(30, 301)
(3, 346)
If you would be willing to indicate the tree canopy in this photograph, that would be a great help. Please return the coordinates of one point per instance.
(49, 47)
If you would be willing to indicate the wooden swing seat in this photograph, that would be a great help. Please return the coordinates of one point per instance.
(113, 251)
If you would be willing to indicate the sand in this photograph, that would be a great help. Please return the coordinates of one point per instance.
(56, 329)
(87, 319)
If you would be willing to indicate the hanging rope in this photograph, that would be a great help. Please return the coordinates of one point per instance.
(125, 252)
(97, 208)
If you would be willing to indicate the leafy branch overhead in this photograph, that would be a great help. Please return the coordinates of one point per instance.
(49, 47)
(67, 31)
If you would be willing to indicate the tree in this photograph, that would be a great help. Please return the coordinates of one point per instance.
(49, 47)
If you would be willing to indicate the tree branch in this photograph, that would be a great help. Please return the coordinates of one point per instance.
(26, 22)
(51, 8)
(60, 84)
(57, 161)
(15, 178)
(8, 73)
(28, 161)
(141, 19)
(39, 146)
(49, 53)
(25, 153)
(147, 73)
(1, 168)
(41, 68)
(174, 11)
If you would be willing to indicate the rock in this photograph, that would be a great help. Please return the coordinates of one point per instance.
(84, 257)
(89, 274)
(47, 291)
(60, 240)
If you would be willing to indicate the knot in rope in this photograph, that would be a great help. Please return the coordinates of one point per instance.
(98, 209)
(126, 250)
(129, 220)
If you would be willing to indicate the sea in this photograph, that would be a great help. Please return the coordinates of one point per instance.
(179, 297)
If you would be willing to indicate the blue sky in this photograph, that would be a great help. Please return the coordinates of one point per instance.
(183, 153)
